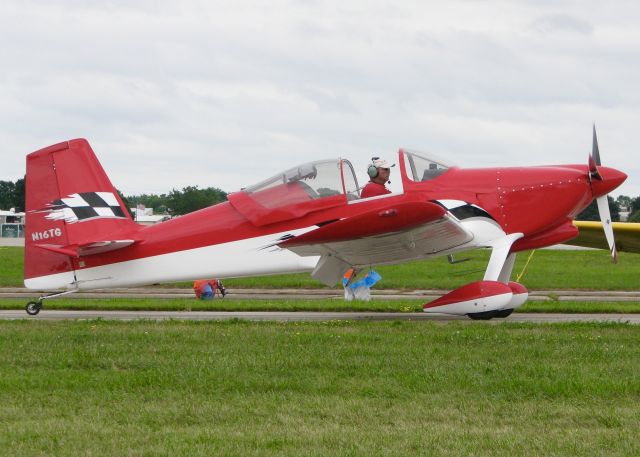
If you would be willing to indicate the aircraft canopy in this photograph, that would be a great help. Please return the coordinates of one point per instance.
(298, 191)
(422, 168)
(309, 181)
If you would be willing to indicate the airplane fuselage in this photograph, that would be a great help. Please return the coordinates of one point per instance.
(219, 241)
(310, 217)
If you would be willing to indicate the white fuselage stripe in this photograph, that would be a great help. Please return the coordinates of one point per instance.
(234, 259)
(241, 258)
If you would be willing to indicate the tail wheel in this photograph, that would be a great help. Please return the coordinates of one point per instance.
(33, 308)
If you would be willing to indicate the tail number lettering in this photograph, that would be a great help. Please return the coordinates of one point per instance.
(51, 233)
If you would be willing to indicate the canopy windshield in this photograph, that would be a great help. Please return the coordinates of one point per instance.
(422, 168)
(307, 182)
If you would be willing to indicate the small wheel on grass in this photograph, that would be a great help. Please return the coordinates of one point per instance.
(34, 307)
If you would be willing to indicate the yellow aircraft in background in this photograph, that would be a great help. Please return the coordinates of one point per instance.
(627, 235)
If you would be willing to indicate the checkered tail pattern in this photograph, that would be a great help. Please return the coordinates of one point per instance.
(85, 206)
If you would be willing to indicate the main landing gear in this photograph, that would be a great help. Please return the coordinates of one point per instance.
(34, 307)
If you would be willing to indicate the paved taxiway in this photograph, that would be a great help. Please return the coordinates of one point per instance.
(305, 316)
(426, 295)
(382, 294)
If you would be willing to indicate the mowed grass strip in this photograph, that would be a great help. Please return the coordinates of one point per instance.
(192, 304)
(322, 389)
(292, 304)
(547, 269)
(11, 266)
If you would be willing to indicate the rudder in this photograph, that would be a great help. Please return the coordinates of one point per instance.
(71, 206)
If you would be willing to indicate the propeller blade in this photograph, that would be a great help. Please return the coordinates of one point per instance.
(594, 158)
(605, 217)
(595, 152)
(603, 200)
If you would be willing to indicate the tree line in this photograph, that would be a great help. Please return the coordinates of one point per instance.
(175, 203)
(12, 195)
(621, 201)
(191, 198)
(178, 202)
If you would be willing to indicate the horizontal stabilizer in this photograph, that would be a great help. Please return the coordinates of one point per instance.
(98, 247)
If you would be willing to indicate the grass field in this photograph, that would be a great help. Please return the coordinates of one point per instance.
(334, 389)
(11, 266)
(547, 269)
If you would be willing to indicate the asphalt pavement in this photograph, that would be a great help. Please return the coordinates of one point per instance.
(386, 294)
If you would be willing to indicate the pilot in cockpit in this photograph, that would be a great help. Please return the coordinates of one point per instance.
(378, 171)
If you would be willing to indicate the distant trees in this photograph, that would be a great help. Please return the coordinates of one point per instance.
(125, 201)
(176, 202)
(632, 205)
(191, 199)
(179, 202)
(624, 201)
(621, 201)
(591, 212)
(12, 195)
(157, 202)
(634, 210)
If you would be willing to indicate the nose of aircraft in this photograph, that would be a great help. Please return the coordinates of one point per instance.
(611, 178)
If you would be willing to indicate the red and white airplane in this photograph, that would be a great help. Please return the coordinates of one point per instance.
(80, 236)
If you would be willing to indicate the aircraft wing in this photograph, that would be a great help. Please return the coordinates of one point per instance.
(403, 231)
(627, 235)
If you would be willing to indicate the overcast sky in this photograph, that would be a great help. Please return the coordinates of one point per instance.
(177, 93)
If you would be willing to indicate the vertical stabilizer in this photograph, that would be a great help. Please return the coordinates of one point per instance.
(70, 204)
